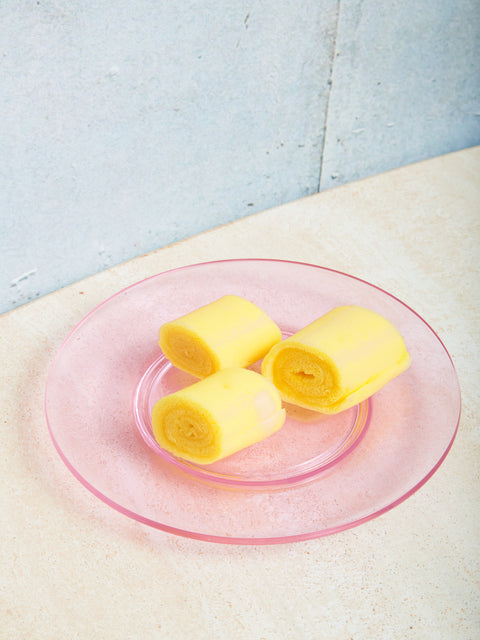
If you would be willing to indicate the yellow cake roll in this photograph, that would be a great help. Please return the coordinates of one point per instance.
(229, 332)
(217, 416)
(338, 360)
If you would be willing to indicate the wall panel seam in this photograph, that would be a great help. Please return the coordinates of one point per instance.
(330, 78)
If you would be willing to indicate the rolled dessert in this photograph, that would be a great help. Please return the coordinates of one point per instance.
(338, 360)
(229, 332)
(217, 416)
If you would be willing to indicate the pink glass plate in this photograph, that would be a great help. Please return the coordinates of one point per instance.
(316, 476)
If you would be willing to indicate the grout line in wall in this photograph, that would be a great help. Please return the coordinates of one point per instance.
(332, 63)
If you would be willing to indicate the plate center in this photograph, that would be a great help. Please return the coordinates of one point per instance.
(308, 444)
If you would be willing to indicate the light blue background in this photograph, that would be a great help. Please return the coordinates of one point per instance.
(130, 124)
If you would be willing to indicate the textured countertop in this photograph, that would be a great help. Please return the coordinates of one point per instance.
(72, 567)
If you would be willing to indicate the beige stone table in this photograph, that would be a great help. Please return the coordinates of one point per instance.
(73, 568)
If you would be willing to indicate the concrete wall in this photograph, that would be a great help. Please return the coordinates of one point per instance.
(129, 124)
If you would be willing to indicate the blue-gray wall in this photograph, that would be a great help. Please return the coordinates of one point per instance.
(126, 125)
